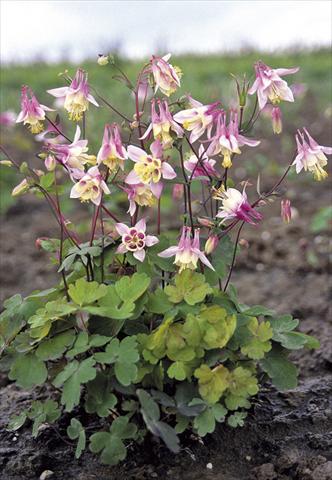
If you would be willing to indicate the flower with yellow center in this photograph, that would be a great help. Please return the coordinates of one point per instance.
(90, 187)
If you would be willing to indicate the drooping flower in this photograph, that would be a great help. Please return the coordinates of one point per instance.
(310, 155)
(187, 252)
(276, 120)
(73, 156)
(90, 187)
(235, 205)
(112, 153)
(203, 167)
(149, 169)
(270, 86)
(134, 239)
(227, 139)
(102, 60)
(198, 119)
(286, 211)
(162, 124)
(166, 77)
(32, 113)
(21, 188)
(77, 96)
(141, 195)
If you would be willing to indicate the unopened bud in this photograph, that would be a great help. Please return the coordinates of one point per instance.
(205, 222)
(21, 188)
(6, 163)
(244, 243)
(211, 244)
(276, 120)
(286, 212)
(50, 163)
(39, 173)
(102, 60)
(177, 192)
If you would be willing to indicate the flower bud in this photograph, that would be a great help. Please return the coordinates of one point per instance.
(244, 243)
(276, 120)
(50, 163)
(286, 212)
(21, 188)
(205, 222)
(102, 60)
(211, 244)
(177, 192)
(6, 163)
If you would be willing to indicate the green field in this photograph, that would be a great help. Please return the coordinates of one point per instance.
(206, 78)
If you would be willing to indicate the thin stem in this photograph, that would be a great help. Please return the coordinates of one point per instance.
(63, 273)
(106, 102)
(102, 257)
(54, 125)
(187, 186)
(234, 257)
(110, 214)
(159, 216)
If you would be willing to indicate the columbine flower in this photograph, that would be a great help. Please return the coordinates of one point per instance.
(90, 187)
(187, 252)
(112, 153)
(166, 77)
(21, 188)
(141, 195)
(235, 205)
(162, 124)
(198, 119)
(276, 120)
(74, 155)
(286, 211)
(77, 96)
(134, 239)
(310, 155)
(149, 169)
(269, 85)
(228, 140)
(32, 113)
(202, 168)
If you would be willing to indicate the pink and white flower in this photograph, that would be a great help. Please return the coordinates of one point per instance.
(149, 169)
(166, 77)
(139, 195)
(202, 168)
(73, 156)
(77, 96)
(227, 139)
(187, 252)
(270, 86)
(162, 124)
(235, 205)
(90, 187)
(134, 239)
(112, 153)
(32, 113)
(198, 119)
(311, 156)
(286, 210)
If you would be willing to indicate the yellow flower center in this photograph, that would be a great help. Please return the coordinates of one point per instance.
(148, 169)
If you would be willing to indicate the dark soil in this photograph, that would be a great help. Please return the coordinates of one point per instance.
(286, 436)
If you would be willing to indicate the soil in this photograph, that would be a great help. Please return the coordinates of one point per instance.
(286, 435)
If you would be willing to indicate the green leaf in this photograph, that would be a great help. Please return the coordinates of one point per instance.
(84, 342)
(47, 180)
(86, 293)
(282, 371)
(205, 422)
(151, 416)
(53, 348)
(110, 444)
(283, 334)
(17, 421)
(259, 342)
(236, 419)
(28, 371)
(212, 383)
(189, 286)
(242, 384)
(76, 430)
(258, 310)
(179, 371)
(124, 355)
(72, 376)
(99, 398)
(158, 302)
(112, 306)
(129, 289)
(43, 412)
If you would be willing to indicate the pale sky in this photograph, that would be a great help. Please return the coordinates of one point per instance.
(79, 29)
